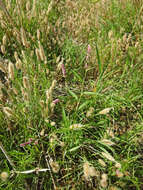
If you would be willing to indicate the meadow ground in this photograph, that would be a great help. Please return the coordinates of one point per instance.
(71, 94)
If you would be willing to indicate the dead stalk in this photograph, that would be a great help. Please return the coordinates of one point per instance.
(6, 155)
(48, 164)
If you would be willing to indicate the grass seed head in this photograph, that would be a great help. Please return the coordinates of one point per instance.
(76, 126)
(23, 54)
(4, 40)
(110, 34)
(103, 181)
(124, 38)
(118, 165)
(26, 96)
(38, 34)
(108, 156)
(110, 133)
(102, 163)
(32, 53)
(16, 55)
(4, 176)
(42, 132)
(23, 37)
(54, 82)
(52, 123)
(89, 171)
(113, 188)
(50, 7)
(26, 82)
(62, 144)
(11, 70)
(54, 165)
(119, 174)
(41, 52)
(34, 12)
(59, 66)
(18, 64)
(3, 49)
(52, 106)
(15, 91)
(37, 54)
(104, 176)
(2, 68)
(17, 34)
(28, 6)
(92, 171)
(1, 94)
(86, 170)
(3, 24)
(47, 71)
(107, 142)
(42, 103)
(48, 96)
(90, 112)
(53, 139)
(8, 111)
(105, 111)
(58, 59)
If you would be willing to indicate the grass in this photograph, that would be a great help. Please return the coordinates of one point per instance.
(71, 96)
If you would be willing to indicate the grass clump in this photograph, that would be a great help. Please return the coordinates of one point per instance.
(71, 95)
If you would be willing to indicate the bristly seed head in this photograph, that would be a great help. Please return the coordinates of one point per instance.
(90, 112)
(3, 49)
(4, 40)
(38, 34)
(18, 64)
(28, 6)
(102, 163)
(37, 54)
(2, 68)
(105, 111)
(52, 105)
(108, 156)
(42, 132)
(107, 142)
(89, 171)
(11, 71)
(16, 56)
(52, 123)
(118, 165)
(23, 38)
(103, 181)
(54, 165)
(26, 82)
(8, 111)
(76, 126)
(4, 176)
(48, 96)
(53, 84)
(42, 103)
(41, 52)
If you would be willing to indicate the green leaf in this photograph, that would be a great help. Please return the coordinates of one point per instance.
(99, 61)
(89, 93)
(73, 94)
(83, 105)
(65, 119)
(74, 149)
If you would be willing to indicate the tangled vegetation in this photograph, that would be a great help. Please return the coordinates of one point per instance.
(71, 94)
